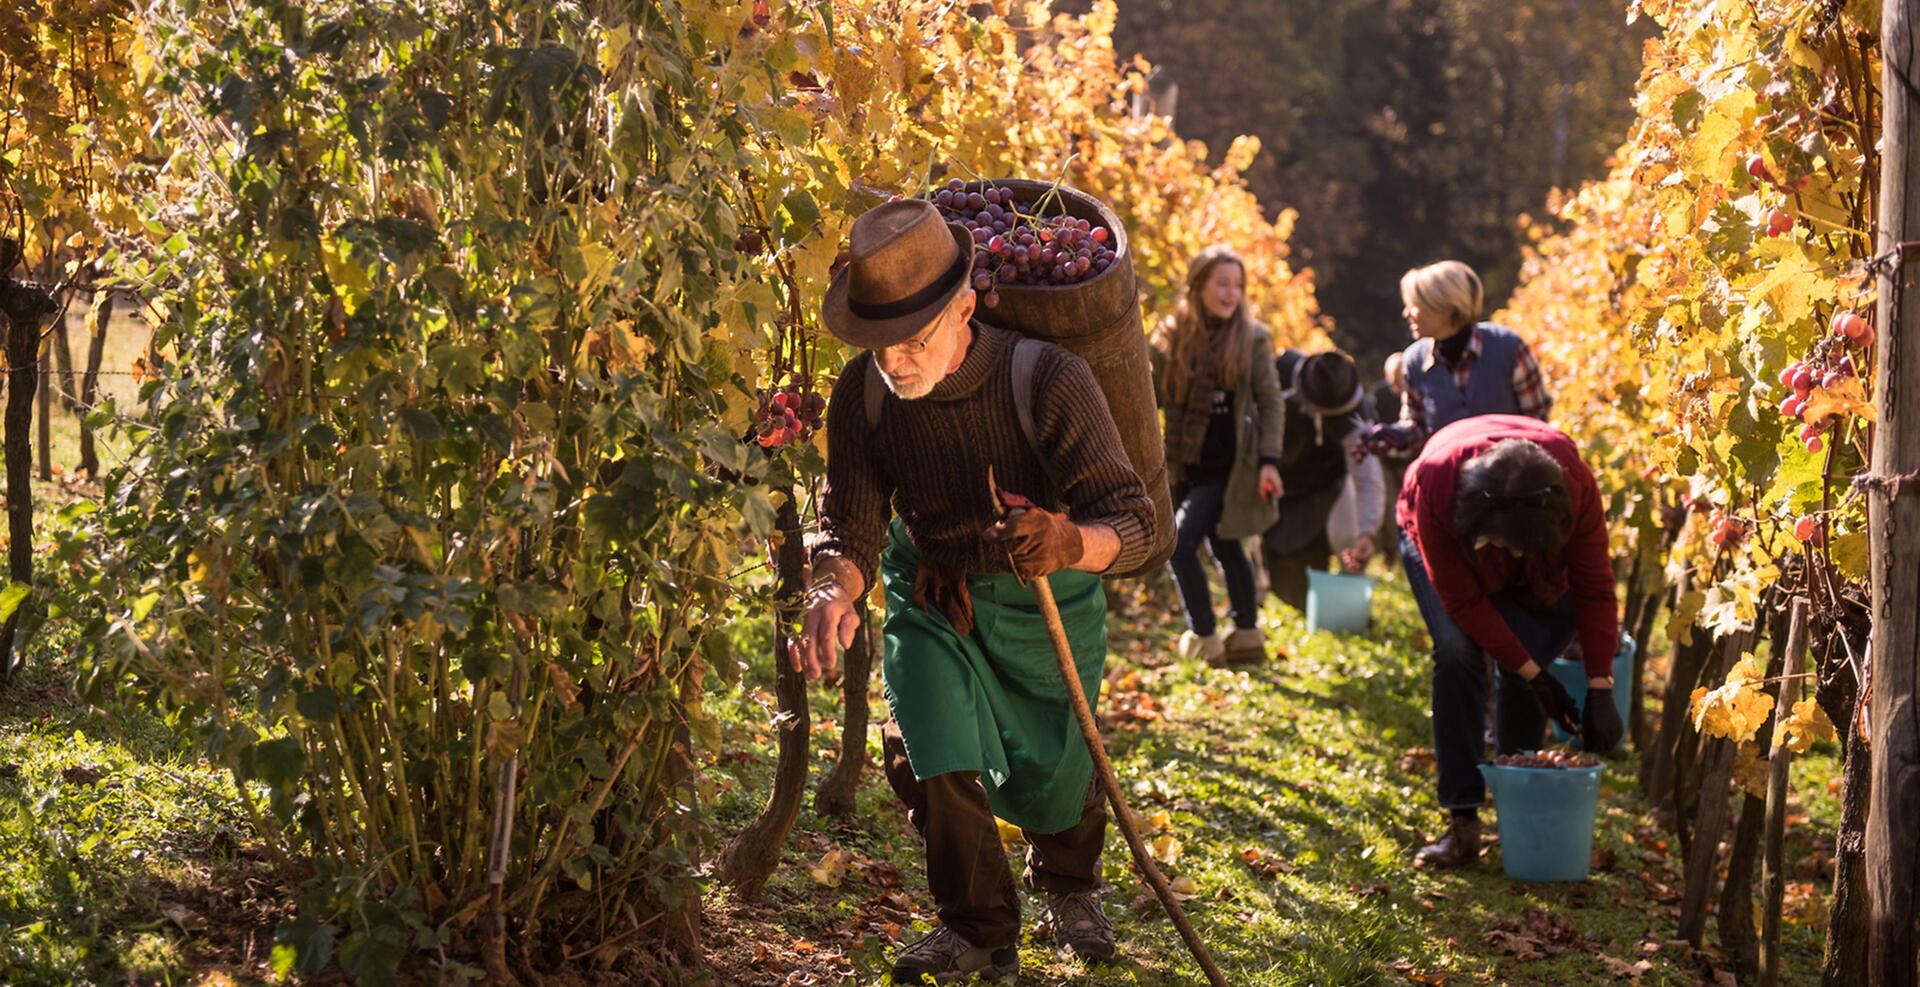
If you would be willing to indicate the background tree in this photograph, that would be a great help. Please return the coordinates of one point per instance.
(1401, 131)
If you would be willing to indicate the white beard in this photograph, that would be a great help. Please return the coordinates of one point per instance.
(920, 388)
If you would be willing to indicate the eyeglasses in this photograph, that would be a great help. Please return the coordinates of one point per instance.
(918, 344)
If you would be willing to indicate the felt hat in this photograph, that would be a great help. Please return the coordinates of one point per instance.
(905, 264)
(1329, 382)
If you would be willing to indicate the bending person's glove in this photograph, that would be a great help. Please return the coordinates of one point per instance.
(1600, 729)
(943, 590)
(1038, 541)
(1554, 701)
(1383, 439)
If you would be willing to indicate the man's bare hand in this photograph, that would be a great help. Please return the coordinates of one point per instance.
(1355, 558)
(828, 626)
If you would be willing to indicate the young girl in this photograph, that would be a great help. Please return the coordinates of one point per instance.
(1213, 367)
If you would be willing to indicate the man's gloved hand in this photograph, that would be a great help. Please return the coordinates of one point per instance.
(1383, 439)
(943, 589)
(1039, 541)
(1554, 701)
(1601, 728)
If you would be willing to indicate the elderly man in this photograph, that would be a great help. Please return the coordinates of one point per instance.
(1504, 541)
(981, 725)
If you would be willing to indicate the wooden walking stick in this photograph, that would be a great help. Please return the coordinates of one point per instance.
(1010, 506)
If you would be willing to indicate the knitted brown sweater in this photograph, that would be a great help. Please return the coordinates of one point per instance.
(928, 460)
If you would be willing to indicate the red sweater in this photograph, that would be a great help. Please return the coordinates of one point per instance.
(1464, 581)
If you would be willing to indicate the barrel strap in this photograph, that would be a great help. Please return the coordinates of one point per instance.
(875, 392)
(1026, 359)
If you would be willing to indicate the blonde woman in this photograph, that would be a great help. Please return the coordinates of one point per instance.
(1458, 367)
(1213, 366)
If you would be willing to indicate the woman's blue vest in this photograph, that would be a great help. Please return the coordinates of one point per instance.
(1489, 384)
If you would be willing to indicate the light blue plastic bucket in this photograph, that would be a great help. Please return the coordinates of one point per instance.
(1338, 602)
(1546, 820)
(1573, 675)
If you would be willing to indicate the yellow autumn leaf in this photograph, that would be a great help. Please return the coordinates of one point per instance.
(831, 870)
(1805, 725)
(350, 280)
(1848, 397)
(1750, 770)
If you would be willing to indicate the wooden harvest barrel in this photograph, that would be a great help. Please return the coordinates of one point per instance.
(1099, 320)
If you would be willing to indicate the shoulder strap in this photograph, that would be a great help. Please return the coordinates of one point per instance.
(874, 390)
(1026, 359)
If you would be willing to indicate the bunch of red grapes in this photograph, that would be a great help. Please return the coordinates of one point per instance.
(789, 414)
(1556, 759)
(1727, 529)
(1823, 372)
(1015, 247)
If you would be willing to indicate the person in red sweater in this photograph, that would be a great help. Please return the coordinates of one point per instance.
(1505, 548)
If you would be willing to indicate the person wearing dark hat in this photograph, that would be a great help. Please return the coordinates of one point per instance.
(1322, 461)
(1504, 542)
(981, 725)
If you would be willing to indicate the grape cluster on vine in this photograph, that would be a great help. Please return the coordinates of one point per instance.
(1827, 369)
(790, 414)
(1014, 246)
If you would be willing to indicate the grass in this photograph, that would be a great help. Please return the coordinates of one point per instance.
(1305, 766)
(122, 859)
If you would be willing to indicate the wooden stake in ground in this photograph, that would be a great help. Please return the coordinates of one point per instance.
(1772, 879)
(22, 307)
(1893, 515)
(1103, 768)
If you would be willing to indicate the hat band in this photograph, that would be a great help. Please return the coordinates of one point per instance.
(918, 300)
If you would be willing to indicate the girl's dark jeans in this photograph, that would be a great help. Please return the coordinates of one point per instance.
(1197, 516)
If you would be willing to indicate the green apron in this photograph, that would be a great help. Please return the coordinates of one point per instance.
(992, 702)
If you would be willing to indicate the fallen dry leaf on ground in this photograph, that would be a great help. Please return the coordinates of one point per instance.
(831, 870)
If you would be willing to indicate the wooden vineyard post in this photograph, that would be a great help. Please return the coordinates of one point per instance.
(1716, 776)
(22, 306)
(1772, 879)
(43, 405)
(98, 319)
(1893, 516)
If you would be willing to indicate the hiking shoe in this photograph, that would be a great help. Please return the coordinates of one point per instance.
(947, 958)
(1208, 648)
(1245, 646)
(1458, 847)
(1081, 926)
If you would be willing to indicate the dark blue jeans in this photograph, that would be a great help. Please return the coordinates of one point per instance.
(1460, 679)
(1194, 521)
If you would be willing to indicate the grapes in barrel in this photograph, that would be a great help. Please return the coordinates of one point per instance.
(1018, 247)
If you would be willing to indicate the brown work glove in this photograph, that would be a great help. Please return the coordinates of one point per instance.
(943, 589)
(1038, 541)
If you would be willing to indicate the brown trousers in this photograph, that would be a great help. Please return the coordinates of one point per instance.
(1287, 571)
(966, 865)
